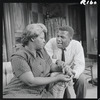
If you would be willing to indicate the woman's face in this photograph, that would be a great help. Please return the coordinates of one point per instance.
(39, 41)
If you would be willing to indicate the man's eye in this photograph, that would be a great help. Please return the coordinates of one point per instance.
(62, 37)
(57, 35)
(42, 38)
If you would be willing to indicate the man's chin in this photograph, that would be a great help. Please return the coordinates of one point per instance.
(59, 46)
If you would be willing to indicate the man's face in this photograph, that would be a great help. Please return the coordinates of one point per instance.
(63, 39)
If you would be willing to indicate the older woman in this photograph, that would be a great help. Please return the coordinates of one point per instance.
(32, 67)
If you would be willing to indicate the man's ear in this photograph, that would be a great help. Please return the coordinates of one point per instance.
(70, 38)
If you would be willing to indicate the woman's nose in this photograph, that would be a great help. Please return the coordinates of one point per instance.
(43, 40)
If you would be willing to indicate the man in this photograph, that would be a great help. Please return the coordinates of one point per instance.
(74, 57)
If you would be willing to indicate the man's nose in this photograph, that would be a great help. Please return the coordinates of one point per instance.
(59, 38)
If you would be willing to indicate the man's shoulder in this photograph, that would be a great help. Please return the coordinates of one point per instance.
(52, 40)
(75, 42)
(76, 45)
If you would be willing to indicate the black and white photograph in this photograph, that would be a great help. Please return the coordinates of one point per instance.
(49, 50)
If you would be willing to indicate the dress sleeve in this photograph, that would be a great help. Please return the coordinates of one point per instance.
(19, 65)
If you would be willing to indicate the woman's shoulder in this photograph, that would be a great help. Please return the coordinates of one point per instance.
(21, 53)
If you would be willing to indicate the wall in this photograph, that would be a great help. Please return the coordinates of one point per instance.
(91, 28)
(16, 17)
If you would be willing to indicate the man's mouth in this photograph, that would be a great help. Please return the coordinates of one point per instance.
(59, 43)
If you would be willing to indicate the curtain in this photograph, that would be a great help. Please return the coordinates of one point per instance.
(7, 37)
(91, 28)
(15, 18)
(4, 45)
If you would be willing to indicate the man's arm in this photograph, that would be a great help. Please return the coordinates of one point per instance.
(79, 61)
(49, 49)
(55, 68)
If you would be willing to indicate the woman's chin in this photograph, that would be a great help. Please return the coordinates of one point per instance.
(40, 48)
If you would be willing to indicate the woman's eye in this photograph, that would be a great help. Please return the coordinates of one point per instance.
(62, 37)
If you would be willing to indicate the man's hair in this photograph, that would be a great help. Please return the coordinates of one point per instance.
(67, 28)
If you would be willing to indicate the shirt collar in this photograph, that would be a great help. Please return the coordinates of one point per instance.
(68, 46)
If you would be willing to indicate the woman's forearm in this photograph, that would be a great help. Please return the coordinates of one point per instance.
(42, 80)
(30, 80)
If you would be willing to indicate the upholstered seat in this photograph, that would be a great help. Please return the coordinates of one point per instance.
(7, 73)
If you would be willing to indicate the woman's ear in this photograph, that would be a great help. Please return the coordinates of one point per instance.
(70, 38)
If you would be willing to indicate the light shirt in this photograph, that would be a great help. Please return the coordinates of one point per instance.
(74, 54)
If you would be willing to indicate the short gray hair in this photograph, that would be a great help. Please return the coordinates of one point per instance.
(32, 31)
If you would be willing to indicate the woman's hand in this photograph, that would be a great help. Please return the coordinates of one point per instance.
(62, 77)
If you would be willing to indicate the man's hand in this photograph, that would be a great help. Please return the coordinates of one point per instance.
(67, 70)
(60, 63)
(62, 77)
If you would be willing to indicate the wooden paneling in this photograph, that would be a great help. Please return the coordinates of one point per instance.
(40, 14)
(40, 18)
(66, 14)
(74, 18)
(34, 7)
(18, 14)
(71, 16)
(52, 25)
(91, 28)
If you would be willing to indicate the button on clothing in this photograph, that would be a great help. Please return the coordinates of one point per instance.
(23, 61)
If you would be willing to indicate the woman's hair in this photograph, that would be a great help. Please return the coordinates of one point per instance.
(32, 31)
(67, 28)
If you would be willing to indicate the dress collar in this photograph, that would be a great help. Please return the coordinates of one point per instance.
(38, 53)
